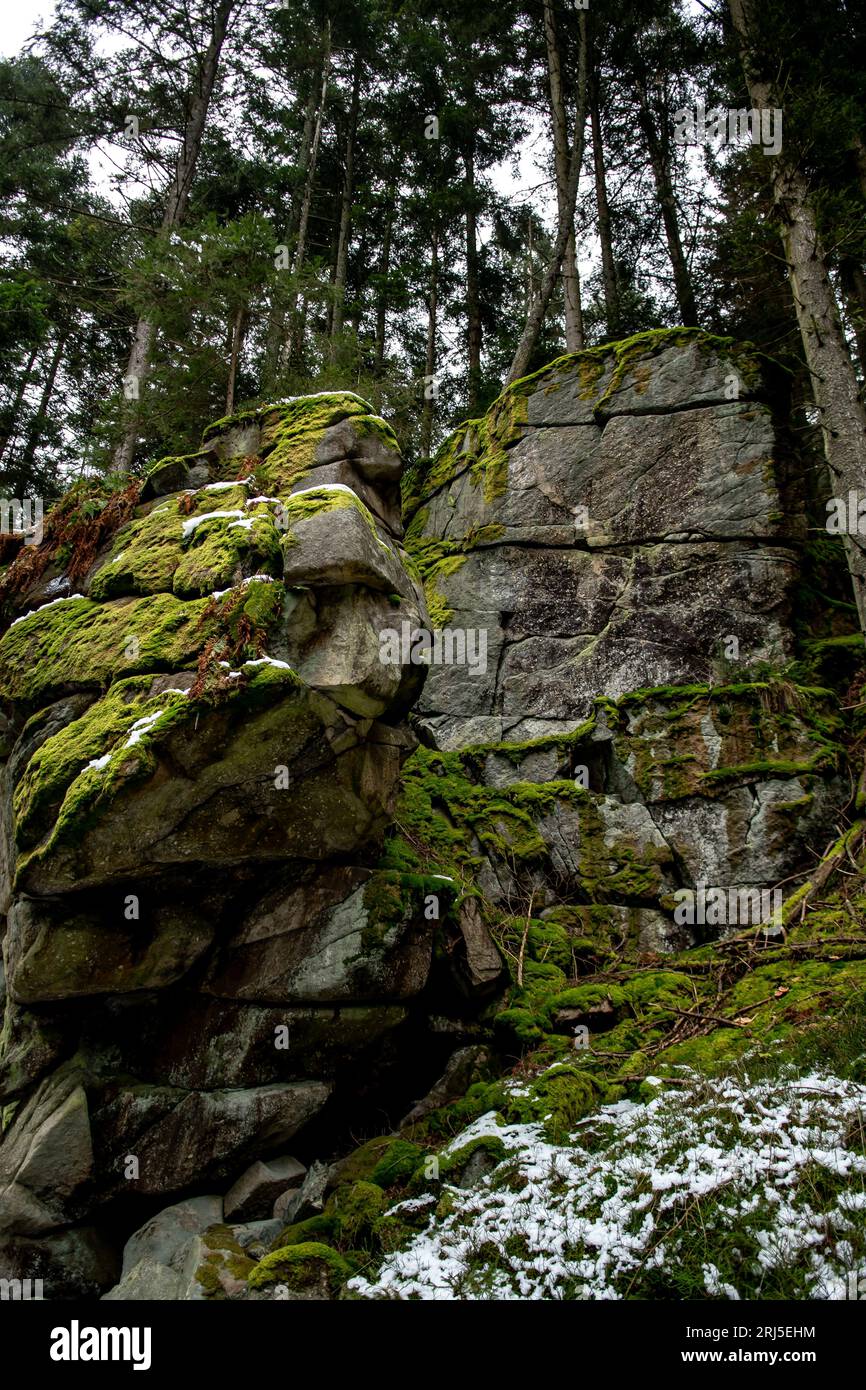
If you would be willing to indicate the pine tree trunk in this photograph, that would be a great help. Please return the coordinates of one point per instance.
(37, 425)
(574, 335)
(834, 380)
(538, 308)
(473, 295)
(342, 266)
(237, 339)
(612, 311)
(428, 411)
(854, 286)
(10, 416)
(660, 162)
(174, 213)
(277, 317)
(292, 346)
(384, 272)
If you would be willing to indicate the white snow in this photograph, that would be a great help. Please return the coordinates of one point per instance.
(269, 661)
(325, 487)
(192, 522)
(314, 395)
(588, 1218)
(141, 727)
(251, 579)
(67, 599)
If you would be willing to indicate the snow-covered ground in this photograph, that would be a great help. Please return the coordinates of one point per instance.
(745, 1188)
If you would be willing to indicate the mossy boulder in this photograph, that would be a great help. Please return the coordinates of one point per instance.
(608, 523)
(307, 1271)
(196, 716)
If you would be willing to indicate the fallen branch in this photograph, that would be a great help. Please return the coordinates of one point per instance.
(523, 942)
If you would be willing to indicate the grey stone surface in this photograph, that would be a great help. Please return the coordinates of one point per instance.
(163, 1240)
(256, 1190)
(297, 1204)
(147, 1281)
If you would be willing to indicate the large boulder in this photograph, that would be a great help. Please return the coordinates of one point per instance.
(622, 537)
(202, 745)
(611, 523)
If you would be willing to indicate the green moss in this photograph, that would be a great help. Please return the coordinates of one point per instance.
(768, 767)
(321, 1227)
(435, 559)
(631, 353)
(218, 551)
(556, 1099)
(355, 1209)
(60, 795)
(768, 728)
(361, 1163)
(62, 758)
(397, 1164)
(560, 743)
(309, 502)
(185, 459)
(452, 1166)
(301, 1268)
(396, 1228)
(225, 1256)
(144, 556)
(300, 413)
(79, 644)
(246, 614)
(392, 898)
(519, 1024)
(291, 432)
(444, 809)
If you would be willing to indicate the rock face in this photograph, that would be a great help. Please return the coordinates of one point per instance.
(623, 534)
(202, 748)
(235, 890)
(610, 524)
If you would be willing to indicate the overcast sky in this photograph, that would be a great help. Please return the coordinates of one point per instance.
(20, 19)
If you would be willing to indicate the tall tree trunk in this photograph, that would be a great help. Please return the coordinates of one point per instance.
(238, 330)
(473, 293)
(854, 287)
(574, 335)
(384, 272)
(358, 308)
(277, 317)
(612, 310)
(529, 287)
(834, 380)
(660, 162)
(174, 212)
(538, 308)
(10, 415)
(37, 424)
(292, 346)
(428, 410)
(342, 266)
